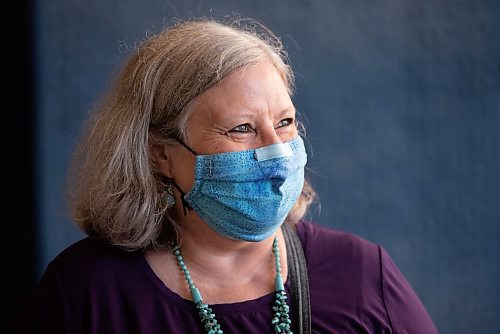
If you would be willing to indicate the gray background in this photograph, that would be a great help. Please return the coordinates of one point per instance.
(401, 104)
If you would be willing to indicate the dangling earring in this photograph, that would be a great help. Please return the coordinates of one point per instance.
(169, 196)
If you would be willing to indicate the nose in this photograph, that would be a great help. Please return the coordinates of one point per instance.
(269, 136)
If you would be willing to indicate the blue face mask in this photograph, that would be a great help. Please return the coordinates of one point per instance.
(247, 195)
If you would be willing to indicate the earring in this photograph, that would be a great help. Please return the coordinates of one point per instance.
(169, 196)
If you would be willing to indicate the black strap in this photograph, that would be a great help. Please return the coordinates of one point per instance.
(185, 205)
(297, 274)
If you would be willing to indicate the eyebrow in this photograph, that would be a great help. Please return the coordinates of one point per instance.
(279, 114)
(248, 113)
(286, 110)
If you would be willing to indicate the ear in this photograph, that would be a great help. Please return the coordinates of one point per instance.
(159, 155)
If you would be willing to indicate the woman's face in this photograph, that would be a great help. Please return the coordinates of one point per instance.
(249, 109)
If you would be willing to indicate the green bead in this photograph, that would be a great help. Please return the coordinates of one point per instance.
(278, 284)
(195, 293)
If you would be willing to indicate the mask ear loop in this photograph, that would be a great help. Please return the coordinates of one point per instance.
(185, 146)
(185, 205)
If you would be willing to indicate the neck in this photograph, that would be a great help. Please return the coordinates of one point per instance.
(280, 320)
(220, 266)
(207, 251)
(224, 270)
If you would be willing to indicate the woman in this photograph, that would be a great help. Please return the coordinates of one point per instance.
(187, 171)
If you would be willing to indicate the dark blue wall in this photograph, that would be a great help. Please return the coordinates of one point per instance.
(401, 100)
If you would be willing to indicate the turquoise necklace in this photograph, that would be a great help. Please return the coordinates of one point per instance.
(281, 320)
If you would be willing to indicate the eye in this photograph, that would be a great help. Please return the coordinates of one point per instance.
(242, 128)
(284, 122)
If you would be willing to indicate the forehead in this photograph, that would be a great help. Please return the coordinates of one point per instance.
(253, 89)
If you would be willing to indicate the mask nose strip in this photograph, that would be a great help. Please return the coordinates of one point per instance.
(273, 151)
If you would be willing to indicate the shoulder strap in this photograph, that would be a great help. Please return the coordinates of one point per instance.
(297, 274)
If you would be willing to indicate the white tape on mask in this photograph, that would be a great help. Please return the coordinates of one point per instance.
(273, 151)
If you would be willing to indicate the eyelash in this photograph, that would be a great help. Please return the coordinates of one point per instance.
(247, 128)
(290, 121)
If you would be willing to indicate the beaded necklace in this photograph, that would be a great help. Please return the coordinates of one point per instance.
(281, 320)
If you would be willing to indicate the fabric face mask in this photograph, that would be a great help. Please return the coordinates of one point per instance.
(247, 195)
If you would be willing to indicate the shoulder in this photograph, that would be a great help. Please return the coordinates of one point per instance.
(347, 261)
(91, 250)
(92, 260)
(357, 280)
(322, 242)
(88, 278)
(344, 280)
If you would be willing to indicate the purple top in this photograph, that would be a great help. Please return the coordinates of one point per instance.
(92, 287)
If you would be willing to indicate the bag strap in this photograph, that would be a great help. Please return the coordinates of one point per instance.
(298, 276)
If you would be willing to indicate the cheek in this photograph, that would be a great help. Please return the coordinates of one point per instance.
(294, 131)
(287, 133)
(183, 172)
(219, 144)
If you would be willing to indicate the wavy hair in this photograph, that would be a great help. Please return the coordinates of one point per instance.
(115, 190)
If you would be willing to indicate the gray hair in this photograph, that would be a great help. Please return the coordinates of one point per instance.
(115, 190)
